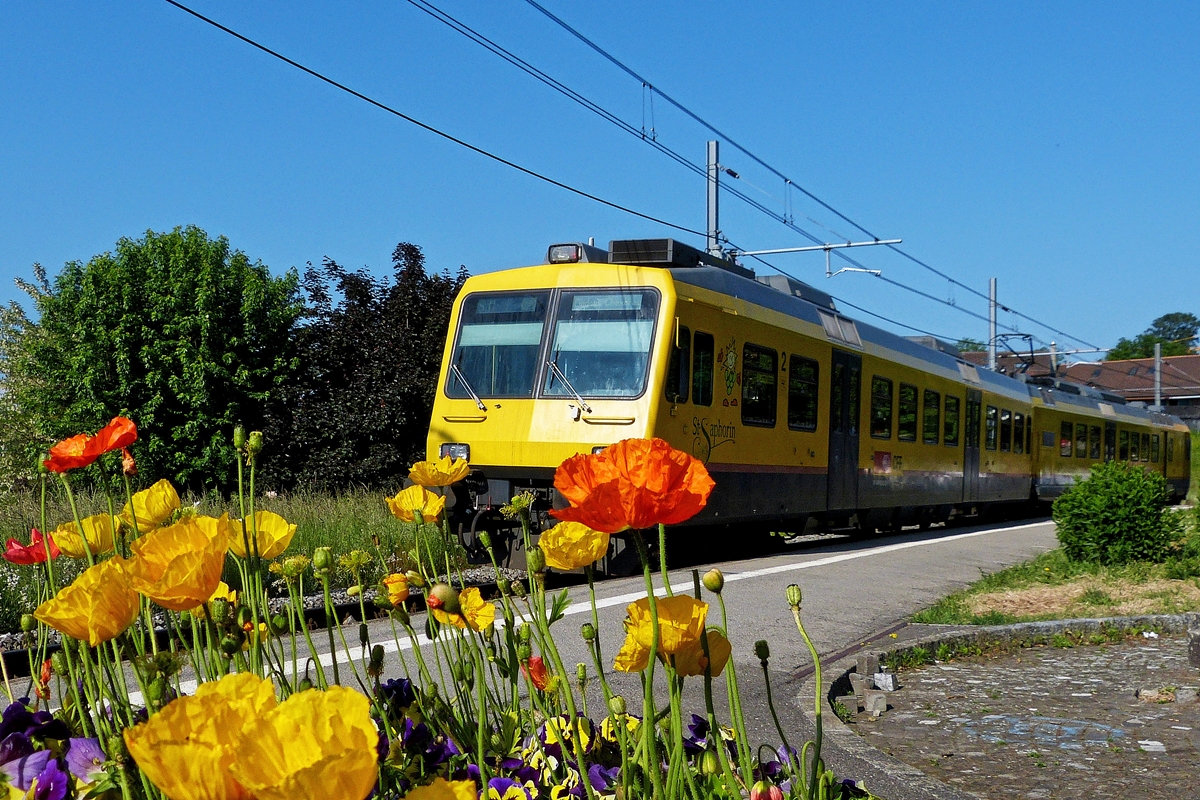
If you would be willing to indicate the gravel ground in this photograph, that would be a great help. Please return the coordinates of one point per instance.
(1115, 720)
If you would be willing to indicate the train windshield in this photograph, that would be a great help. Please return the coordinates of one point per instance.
(601, 343)
(498, 342)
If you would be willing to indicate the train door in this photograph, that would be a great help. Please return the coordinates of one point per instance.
(1110, 441)
(844, 409)
(971, 450)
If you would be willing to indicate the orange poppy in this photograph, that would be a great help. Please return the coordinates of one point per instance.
(635, 483)
(537, 673)
(81, 450)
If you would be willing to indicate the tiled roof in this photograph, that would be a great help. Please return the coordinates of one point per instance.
(1134, 378)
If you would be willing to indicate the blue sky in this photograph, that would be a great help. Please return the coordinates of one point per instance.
(1053, 146)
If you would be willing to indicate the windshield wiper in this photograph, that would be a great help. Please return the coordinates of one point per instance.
(553, 365)
(463, 380)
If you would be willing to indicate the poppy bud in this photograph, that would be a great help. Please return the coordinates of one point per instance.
(254, 444)
(376, 662)
(414, 578)
(518, 589)
(354, 591)
(41, 463)
(485, 539)
(239, 437)
(581, 673)
(114, 748)
(155, 692)
(322, 559)
(230, 644)
(364, 636)
(762, 650)
(304, 685)
(617, 705)
(714, 581)
(535, 560)
(128, 465)
(524, 652)
(28, 623)
(400, 614)
(793, 595)
(710, 763)
(765, 791)
(279, 625)
(525, 633)
(244, 617)
(59, 662)
(220, 611)
(588, 631)
(443, 596)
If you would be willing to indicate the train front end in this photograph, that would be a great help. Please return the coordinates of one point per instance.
(542, 363)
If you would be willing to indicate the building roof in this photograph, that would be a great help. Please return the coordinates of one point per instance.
(1134, 378)
(1009, 363)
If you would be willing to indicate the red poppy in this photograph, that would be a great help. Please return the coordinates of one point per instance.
(32, 553)
(81, 450)
(537, 673)
(635, 483)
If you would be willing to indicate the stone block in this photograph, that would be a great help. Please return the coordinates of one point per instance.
(875, 702)
(868, 664)
(850, 702)
(861, 684)
(1194, 647)
(885, 681)
(1185, 694)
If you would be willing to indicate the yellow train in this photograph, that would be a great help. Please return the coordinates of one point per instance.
(798, 410)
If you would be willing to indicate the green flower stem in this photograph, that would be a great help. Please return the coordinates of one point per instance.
(46, 536)
(296, 607)
(735, 707)
(662, 559)
(714, 730)
(330, 621)
(481, 735)
(87, 546)
(787, 748)
(817, 700)
(648, 706)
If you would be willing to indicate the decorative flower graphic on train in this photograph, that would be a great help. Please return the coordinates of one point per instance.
(727, 362)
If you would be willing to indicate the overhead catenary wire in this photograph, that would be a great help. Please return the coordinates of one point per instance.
(431, 129)
(776, 172)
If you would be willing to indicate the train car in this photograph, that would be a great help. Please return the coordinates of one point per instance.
(799, 411)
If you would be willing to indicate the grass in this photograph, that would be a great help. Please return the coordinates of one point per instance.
(1053, 587)
(355, 519)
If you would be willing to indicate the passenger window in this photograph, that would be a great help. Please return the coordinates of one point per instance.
(1081, 441)
(950, 431)
(1094, 443)
(933, 414)
(1018, 433)
(803, 386)
(702, 368)
(1123, 451)
(759, 377)
(906, 425)
(881, 408)
(1047, 438)
(1133, 446)
(1006, 430)
(1145, 447)
(1170, 440)
(854, 405)
(1064, 440)
(1029, 434)
(990, 431)
(1154, 448)
(677, 368)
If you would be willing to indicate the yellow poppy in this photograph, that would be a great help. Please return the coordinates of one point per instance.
(397, 588)
(408, 502)
(274, 534)
(314, 745)
(187, 748)
(97, 530)
(442, 472)
(179, 567)
(692, 661)
(475, 611)
(442, 789)
(680, 620)
(572, 545)
(152, 506)
(98, 606)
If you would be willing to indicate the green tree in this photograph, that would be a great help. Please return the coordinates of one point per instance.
(1176, 332)
(969, 345)
(175, 330)
(358, 413)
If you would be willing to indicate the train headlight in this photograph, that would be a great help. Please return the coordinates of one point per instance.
(455, 450)
(598, 449)
(563, 254)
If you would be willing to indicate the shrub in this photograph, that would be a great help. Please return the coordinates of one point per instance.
(1116, 516)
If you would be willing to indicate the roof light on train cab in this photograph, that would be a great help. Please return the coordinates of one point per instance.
(598, 449)
(455, 450)
(564, 254)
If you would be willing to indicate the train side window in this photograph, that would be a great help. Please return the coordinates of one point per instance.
(760, 367)
(1133, 446)
(1094, 443)
(1006, 430)
(906, 423)
(990, 428)
(1029, 434)
(803, 391)
(881, 407)
(1169, 440)
(950, 431)
(1123, 452)
(677, 367)
(854, 405)
(1110, 441)
(1018, 433)
(1081, 440)
(1154, 448)
(1066, 430)
(932, 419)
(1145, 447)
(703, 347)
(1047, 438)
